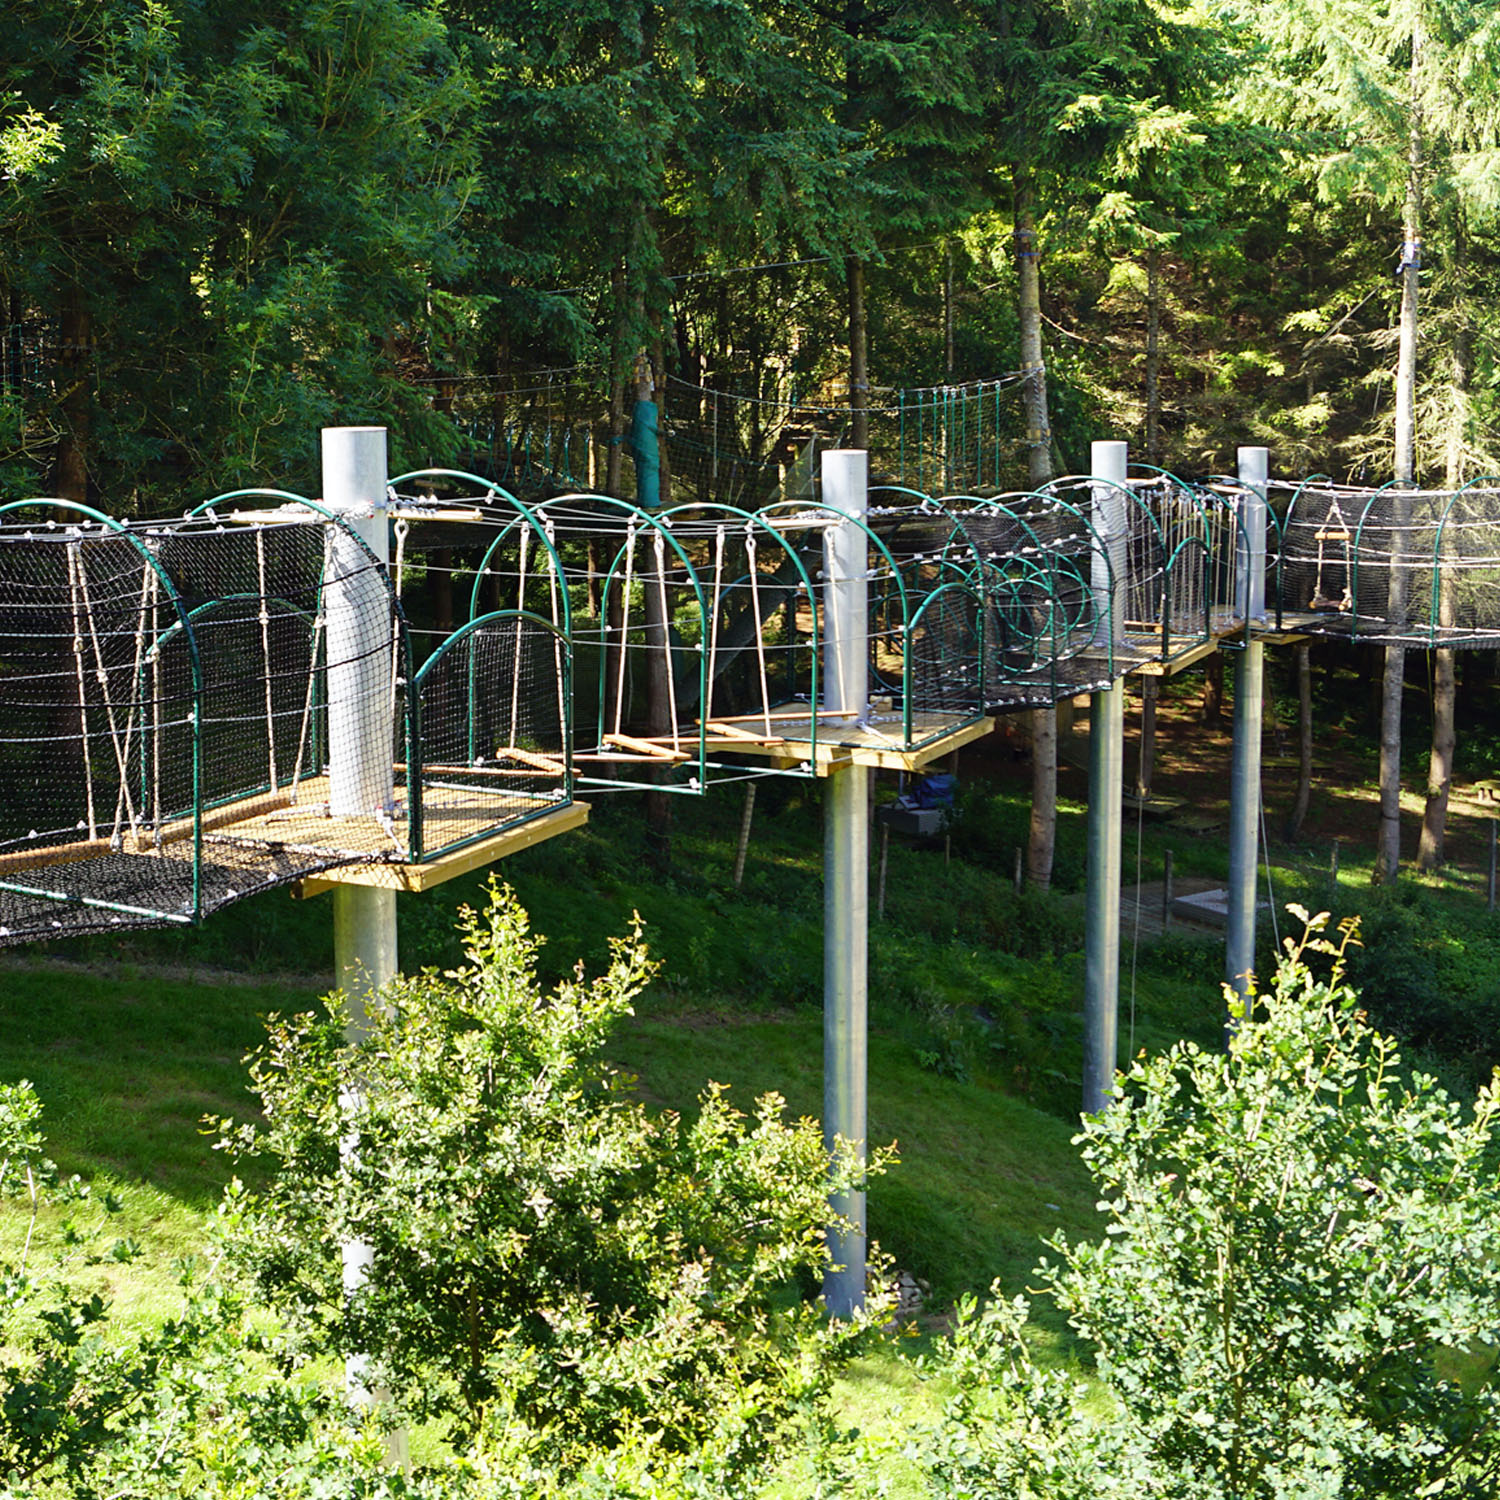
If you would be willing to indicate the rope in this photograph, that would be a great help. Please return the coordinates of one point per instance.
(666, 635)
(760, 635)
(1265, 844)
(156, 819)
(83, 711)
(401, 528)
(515, 664)
(148, 574)
(101, 675)
(265, 646)
(312, 669)
(713, 619)
(557, 657)
(624, 621)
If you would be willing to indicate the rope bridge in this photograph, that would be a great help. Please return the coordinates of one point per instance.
(549, 432)
(173, 693)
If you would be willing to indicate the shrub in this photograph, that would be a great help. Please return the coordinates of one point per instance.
(556, 1269)
(1298, 1293)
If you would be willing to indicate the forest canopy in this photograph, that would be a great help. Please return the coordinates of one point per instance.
(1191, 225)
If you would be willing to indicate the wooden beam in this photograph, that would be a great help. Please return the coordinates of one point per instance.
(530, 758)
(423, 877)
(652, 748)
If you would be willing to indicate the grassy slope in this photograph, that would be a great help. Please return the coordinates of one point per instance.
(973, 1060)
(128, 1055)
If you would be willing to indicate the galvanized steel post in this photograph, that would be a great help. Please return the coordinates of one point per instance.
(846, 873)
(361, 764)
(1244, 784)
(1108, 461)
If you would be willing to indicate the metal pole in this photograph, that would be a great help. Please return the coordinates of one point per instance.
(361, 765)
(1106, 791)
(846, 875)
(1244, 782)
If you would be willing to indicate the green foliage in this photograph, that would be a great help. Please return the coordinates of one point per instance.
(1297, 1294)
(70, 1384)
(555, 1268)
(1427, 969)
(237, 212)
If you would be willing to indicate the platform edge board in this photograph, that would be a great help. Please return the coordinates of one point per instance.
(924, 755)
(446, 867)
(1179, 662)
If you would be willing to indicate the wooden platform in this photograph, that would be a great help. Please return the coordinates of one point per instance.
(786, 738)
(450, 812)
(399, 877)
(1189, 656)
(271, 824)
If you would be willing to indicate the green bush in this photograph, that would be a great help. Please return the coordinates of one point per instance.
(556, 1271)
(1298, 1293)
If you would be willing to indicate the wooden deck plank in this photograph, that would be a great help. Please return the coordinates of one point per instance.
(398, 877)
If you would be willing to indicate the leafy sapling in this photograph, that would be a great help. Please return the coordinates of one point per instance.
(1298, 1288)
(557, 1269)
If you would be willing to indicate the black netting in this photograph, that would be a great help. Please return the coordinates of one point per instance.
(1415, 568)
(195, 710)
(491, 730)
(167, 697)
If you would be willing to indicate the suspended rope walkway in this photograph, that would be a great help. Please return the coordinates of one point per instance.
(549, 432)
(173, 694)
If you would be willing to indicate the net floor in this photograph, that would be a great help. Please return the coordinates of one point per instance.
(451, 813)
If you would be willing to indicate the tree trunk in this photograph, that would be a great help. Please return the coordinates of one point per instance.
(859, 357)
(1388, 848)
(1298, 814)
(1033, 366)
(658, 804)
(1410, 270)
(1440, 761)
(1430, 850)
(614, 464)
(70, 471)
(1392, 686)
(1150, 688)
(948, 315)
(1042, 839)
(1153, 354)
(1213, 690)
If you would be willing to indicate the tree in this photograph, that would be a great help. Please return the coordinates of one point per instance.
(233, 218)
(554, 1265)
(1298, 1291)
(1063, 88)
(1372, 88)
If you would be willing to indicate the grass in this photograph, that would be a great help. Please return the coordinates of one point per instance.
(126, 1063)
(980, 1176)
(974, 1055)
